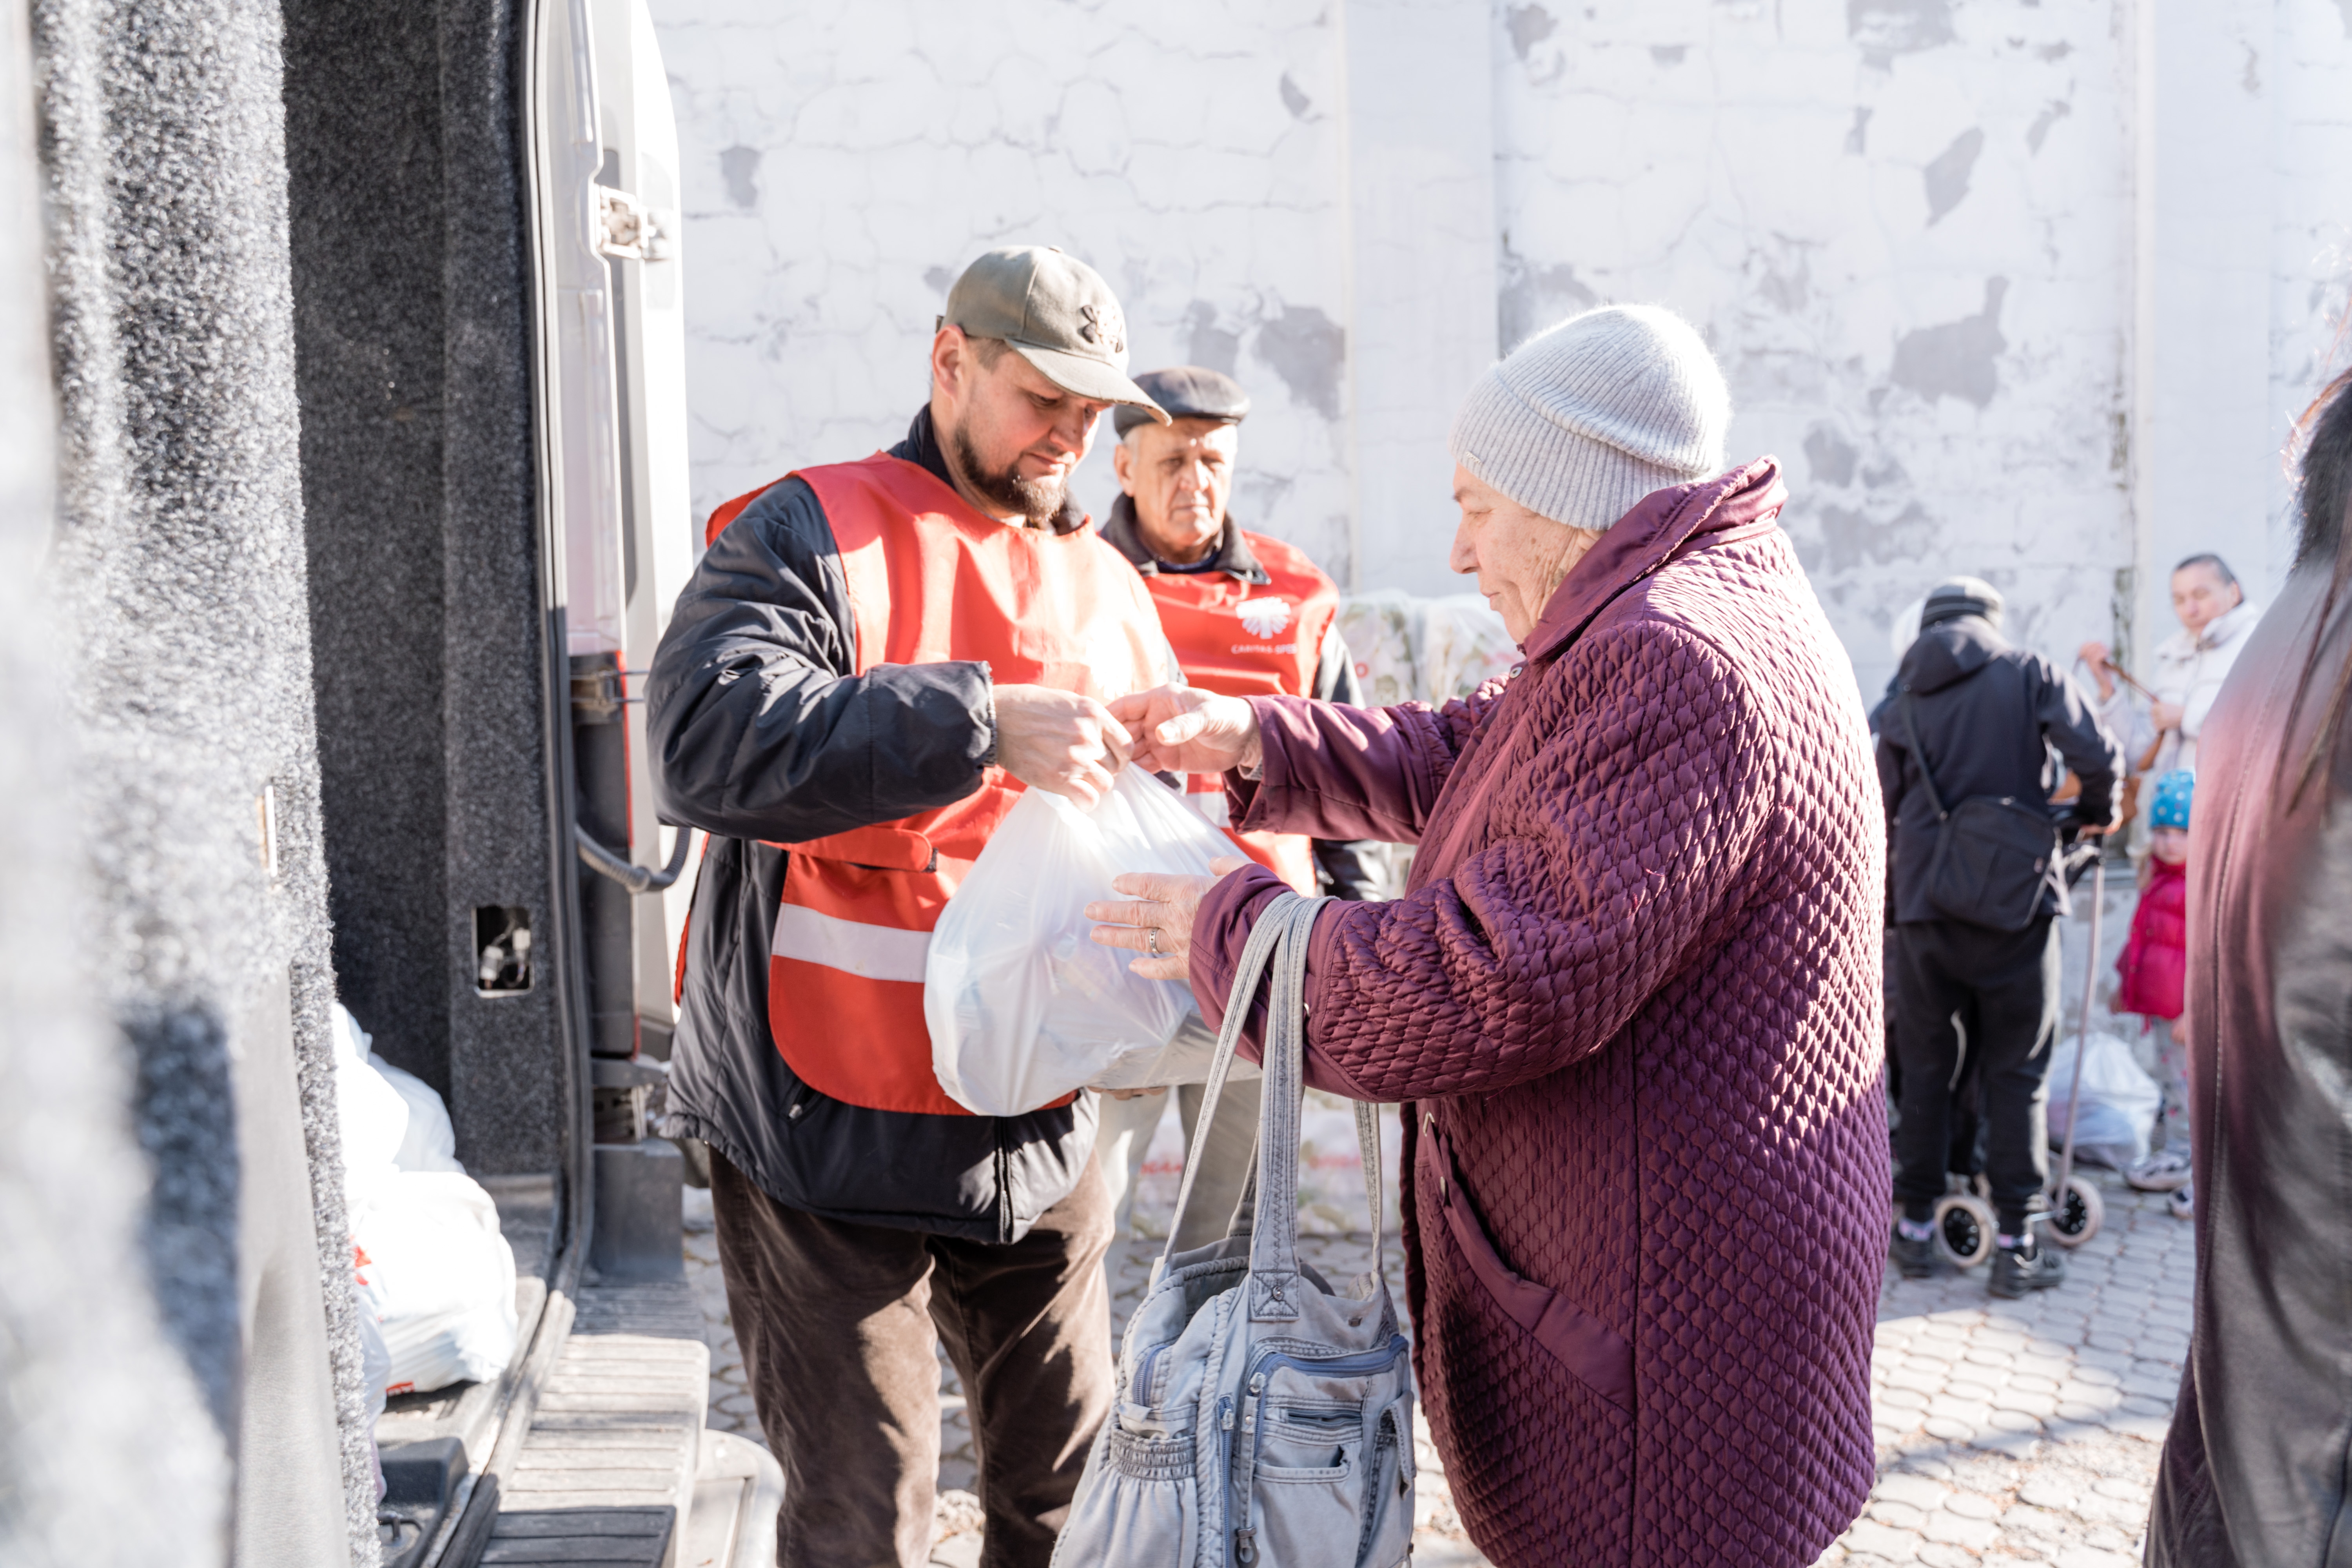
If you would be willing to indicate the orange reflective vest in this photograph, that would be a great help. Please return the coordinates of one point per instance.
(929, 580)
(1246, 640)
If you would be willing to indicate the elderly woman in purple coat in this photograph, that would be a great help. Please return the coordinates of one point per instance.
(1630, 999)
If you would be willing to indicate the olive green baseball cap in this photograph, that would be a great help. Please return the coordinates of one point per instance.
(1057, 313)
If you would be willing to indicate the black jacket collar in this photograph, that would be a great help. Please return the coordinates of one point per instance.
(922, 448)
(1233, 558)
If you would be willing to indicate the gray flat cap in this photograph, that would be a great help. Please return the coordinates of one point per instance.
(1187, 392)
(1058, 314)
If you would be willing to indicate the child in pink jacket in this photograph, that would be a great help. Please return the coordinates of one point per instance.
(2154, 966)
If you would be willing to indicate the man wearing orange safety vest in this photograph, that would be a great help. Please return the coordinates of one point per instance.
(871, 661)
(1248, 615)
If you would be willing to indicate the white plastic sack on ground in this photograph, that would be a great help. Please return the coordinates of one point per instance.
(435, 1272)
(373, 1114)
(2118, 1101)
(441, 1281)
(430, 1143)
(1024, 1007)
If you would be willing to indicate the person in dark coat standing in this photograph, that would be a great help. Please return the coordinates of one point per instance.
(1974, 716)
(2255, 1468)
(870, 662)
(1631, 995)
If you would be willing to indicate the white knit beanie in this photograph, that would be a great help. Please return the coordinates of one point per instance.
(1584, 420)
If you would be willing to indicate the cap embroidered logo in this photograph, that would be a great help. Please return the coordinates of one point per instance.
(1102, 326)
(1263, 618)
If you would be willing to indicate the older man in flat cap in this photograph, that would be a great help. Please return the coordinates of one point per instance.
(869, 658)
(1248, 615)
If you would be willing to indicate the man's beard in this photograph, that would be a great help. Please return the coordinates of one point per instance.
(1039, 502)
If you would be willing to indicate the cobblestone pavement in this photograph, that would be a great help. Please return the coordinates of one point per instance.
(2008, 1432)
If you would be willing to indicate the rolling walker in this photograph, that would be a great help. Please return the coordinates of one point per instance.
(1965, 1226)
(2076, 1209)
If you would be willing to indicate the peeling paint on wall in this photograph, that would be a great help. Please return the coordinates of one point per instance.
(1308, 350)
(1884, 28)
(1947, 177)
(1531, 24)
(1959, 359)
(1529, 298)
(1851, 539)
(1832, 455)
(740, 168)
(2052, 114)
(1210, 344)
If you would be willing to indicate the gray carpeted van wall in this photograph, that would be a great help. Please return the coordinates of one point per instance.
(412, 339)
(178, 573)
(111, 1458)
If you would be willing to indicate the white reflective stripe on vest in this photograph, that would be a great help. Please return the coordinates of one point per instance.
(877, 952)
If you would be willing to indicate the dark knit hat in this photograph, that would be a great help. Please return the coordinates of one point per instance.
(1956, 596)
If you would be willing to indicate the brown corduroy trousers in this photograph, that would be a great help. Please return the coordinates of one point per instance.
(837, 1324)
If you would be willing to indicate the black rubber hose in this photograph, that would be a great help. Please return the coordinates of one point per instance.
(635, 878)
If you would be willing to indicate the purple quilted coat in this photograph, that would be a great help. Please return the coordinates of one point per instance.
(1630, 999)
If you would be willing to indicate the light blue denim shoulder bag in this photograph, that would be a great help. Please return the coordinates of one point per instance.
(1262, 1419)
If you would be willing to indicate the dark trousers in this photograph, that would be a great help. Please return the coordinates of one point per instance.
(838, 1325)
(1968, 999)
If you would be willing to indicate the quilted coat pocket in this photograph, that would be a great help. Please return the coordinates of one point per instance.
(1593, 1352)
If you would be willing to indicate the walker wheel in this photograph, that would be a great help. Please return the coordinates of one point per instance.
(1964, 1229)
(2076, 1218)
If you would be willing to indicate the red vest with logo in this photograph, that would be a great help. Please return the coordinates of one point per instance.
(929, 580)
(1243, 639)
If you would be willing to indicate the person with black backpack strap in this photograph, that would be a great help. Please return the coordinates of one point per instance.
(1976, 873)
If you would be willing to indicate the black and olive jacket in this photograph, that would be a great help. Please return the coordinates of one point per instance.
(760, 730)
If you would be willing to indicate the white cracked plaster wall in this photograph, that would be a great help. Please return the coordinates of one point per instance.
(1905, 228)
(2311, 227)
(1421, 166)
(842, 163)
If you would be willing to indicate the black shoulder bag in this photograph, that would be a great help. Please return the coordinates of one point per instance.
(1992, 854)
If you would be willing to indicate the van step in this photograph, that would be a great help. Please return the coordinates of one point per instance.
(736, 1495)
(607, 1474)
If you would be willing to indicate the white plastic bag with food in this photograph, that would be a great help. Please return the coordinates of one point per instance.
(2116, 1109)
(436, 1276)
(1023, 1005)
(440, 1280)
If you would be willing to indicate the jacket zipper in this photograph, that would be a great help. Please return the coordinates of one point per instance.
(1225, 1451)
(1003, 1187)
(1144, 1369)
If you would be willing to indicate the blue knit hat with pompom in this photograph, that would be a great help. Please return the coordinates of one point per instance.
(2171, 807)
